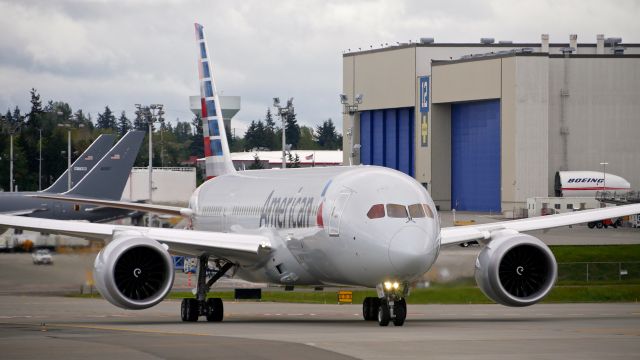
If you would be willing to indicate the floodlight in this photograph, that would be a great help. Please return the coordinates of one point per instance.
(359, 98)
(343, 98)
(276, 101)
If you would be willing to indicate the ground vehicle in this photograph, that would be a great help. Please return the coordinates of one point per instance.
(605, 223)
(42, 256)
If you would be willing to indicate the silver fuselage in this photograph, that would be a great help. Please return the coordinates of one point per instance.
(316, 219)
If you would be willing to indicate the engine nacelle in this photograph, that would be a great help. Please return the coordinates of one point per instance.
(516, 269)
(133, 272)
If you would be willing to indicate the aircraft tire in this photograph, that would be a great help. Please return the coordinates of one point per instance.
(189, 310)
(400, 312)
(384, 315)
(215, 310)
(370, 308)
(599, 225)
(591, 225)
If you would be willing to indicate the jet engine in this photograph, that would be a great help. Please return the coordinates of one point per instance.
(516, 269)
(133, 271)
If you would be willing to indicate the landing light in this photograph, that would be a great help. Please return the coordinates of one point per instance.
(388, 285)
(396, 285)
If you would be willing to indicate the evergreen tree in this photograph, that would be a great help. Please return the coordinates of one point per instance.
(270, 132)
(107, 120)
(307, 141)
(196, 147)
(257, 164)
(36, 109)
(292, 130)
(327, 137)
(124, 124)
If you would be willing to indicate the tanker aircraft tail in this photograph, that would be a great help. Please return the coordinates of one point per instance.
(107, 179)
(83, 164)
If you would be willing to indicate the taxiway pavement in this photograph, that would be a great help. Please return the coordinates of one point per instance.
(64, 328)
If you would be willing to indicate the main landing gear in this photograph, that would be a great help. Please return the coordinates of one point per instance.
(390, 306)
(212, 308)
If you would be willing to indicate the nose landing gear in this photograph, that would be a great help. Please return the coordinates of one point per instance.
(390, 306)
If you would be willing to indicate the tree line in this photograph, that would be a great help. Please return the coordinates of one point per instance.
(174, 143)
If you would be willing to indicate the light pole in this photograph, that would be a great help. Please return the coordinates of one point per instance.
(604, 175)
(150, 114)
(69, 126)
(12, 129)
(283, 112)
(40, 161)
(351, 109)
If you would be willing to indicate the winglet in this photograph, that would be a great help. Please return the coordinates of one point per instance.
(216, 148)
(107, 179)
(83, 164)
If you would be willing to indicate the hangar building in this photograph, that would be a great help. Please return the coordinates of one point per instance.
(485, 126)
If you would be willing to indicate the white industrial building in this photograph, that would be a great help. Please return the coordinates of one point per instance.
(485, 126)
(171, 185)
(273, 159)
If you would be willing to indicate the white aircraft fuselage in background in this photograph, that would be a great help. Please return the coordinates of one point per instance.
(317, 223)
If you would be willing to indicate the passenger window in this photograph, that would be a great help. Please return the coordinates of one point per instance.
(376, 212)
(416, 211)
(427, 211)
(396, 211)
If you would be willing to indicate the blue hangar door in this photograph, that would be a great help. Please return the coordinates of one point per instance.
(386, 138)
(475, 156)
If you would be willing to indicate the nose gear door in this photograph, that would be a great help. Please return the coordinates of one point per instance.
(336, 213)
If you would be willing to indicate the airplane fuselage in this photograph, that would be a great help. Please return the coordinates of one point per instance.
(343, 225)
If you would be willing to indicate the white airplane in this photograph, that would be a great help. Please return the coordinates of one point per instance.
(355, 226)
(588, 183)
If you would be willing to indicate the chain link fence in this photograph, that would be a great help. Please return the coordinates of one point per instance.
(599, 271)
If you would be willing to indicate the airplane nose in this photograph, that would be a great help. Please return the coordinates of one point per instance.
(408, 251)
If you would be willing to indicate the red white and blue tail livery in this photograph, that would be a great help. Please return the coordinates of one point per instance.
(216, 149)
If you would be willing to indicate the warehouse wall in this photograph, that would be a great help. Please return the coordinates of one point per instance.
(602, 113)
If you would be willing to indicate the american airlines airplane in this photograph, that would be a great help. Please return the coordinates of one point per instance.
(351, 226)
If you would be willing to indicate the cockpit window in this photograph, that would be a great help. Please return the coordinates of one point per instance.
(428, 210)
(376, 211)
(416, 211)
(396, 211)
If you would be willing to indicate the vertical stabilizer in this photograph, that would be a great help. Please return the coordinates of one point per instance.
(83, 164)
(107, 179)
(216, 148)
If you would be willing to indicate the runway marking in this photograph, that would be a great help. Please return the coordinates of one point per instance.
(295, 314)
(15, 316)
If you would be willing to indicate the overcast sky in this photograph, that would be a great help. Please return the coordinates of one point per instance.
(119, 53)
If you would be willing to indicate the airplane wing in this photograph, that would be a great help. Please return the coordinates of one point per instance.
(160, 209)
(483, 232)
(238, 248)
(22, 212)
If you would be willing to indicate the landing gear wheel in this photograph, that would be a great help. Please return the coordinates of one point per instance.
(215, 309)
(370, 308)
(189, 310)
(591, 225)
(400, 312)
(599, 225)
(384, 315)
